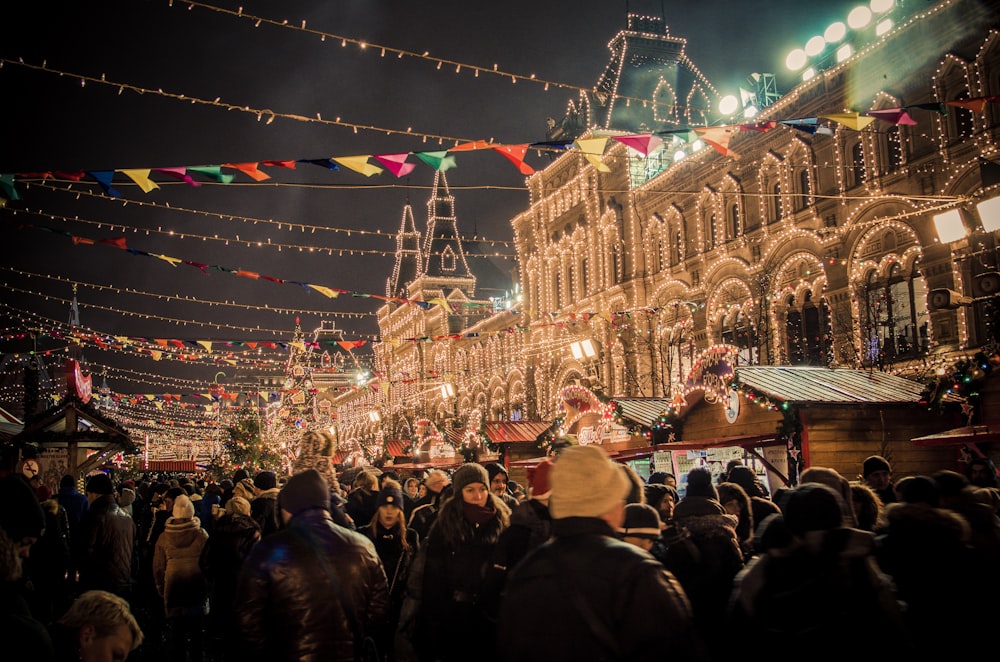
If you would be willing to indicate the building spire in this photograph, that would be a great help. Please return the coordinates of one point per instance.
(409, 260)
(443, 254)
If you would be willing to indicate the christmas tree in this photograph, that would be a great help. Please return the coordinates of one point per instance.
(246, 447)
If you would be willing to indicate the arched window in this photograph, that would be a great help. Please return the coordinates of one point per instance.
(803, 197)
(734, 221)
(961, 124)
(896, 315)
(776, 202)
(738, 330)
(807, 332)
(857, 164)
(793, 333)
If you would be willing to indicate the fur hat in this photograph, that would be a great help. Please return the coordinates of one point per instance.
(99, 484)
(304, 491)
(700, 484)
(541, 486)
(470, 472)
(586, 483)
(874, 463)
(265, 480)
(183, 508)
(641, 521)
(238, 504)
(812, 507)
(390, 495)
(21, 515)
(244, 488)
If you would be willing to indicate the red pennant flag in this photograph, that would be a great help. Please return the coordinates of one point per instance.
(515, 154)
(279, 164)
(117, 243)
(82, 240)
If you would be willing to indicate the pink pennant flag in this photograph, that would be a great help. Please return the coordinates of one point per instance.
(893, 116)
(515, 154)
(642, 143)
(396, 163)
(178, 173)
(250, 170)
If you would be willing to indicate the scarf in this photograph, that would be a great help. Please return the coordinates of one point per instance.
(478, 514)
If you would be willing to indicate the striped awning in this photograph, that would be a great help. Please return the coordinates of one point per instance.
(185, 466)
(808, 384)
(515, 432)
(396, 446)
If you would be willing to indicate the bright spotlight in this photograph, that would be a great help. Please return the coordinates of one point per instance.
(989, 213)
(728, 105)
(883, 26)
(815, 46)
(796, 59)
(881, 6)
(950, 227)
(808, 73)
(859, 17)
(844, 52)
(750, 112)
(679, 155)
(835, 32)
(697, 145)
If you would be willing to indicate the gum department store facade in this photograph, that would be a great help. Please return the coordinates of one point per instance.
(797, 248)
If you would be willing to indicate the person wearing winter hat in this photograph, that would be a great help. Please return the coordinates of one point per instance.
(105, 542)
(264, 505)
(876, 472)
(179, 580)
(641, 526)
(499, 479)
(617, 601)
(450, 621)
(295, 571)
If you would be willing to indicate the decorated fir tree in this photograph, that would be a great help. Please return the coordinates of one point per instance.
(246, 447)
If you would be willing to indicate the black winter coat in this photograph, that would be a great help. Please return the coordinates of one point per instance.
(585, 595)
(103, 548)
(287, 605)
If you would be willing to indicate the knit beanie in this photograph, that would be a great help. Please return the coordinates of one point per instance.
(641, 521)
(390, 495)
(304, 491)
(539, 480)
(183, 508)
(127, 497)
(700, 484)
(874, 463)
(265, 480)
(470, 472)
(99, 484)
(494, 469)
(586, 483)
(811, 507)
(21, 515)
(239, 505)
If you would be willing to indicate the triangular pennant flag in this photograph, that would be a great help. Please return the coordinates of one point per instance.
(471, 146)
(762, 127)
(437, 160)
(975, 105)
(179, 173)
(7, 187)
(247, 274)
(141, 177)
(937, 107)
(207, 344)
(396, 163)
(718, 138)
(215, 172)
(322, 163)
(325, 291)
(104, 177)
(279, 164)
(893, 116)
(156, 354)
(358, 164)
(250, 170)
(515, 154)
(173, 261)
(808, 128)
(117, 242)
(592, 150)
(642, 143)
(850, 120)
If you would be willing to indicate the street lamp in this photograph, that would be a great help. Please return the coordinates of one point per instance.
(583, 349)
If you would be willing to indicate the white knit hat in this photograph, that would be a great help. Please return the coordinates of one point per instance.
(586, 483)
(183, 508)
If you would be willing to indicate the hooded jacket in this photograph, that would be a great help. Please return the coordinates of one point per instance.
(176, 571)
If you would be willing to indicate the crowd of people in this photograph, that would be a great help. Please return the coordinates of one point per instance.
(590, 562)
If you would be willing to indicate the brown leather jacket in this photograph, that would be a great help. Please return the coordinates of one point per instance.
(287, 605)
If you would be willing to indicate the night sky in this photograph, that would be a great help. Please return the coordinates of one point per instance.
(53, 122)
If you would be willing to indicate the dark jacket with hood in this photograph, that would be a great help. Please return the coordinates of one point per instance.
(287, 604)
(103, 548)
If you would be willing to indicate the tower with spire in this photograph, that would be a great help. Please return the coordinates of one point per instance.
(409, 259)
(445, 266)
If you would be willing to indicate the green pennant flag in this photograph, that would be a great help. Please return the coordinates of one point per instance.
(438, 160)
(215, 172)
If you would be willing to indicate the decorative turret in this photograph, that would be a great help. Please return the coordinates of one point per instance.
(409, 259)
(444, 258)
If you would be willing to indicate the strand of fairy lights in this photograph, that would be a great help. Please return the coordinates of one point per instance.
(249, 243)
(186, 299)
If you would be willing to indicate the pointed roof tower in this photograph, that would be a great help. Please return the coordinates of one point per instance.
(444, 258)
(409, 260)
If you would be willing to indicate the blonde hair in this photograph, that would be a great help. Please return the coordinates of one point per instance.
(105, 611)
(365, 480)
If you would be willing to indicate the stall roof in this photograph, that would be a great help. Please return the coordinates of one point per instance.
(396, 446)
(642, 410)
(515, 432)
(969, 434)
(829, 385)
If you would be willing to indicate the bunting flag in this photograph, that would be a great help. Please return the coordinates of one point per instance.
(249, 169)
(279, 164)
(809, 128)
(215, 172)
(172, 261)
(104, 177)
(893, 116)
(935, 106)
(322, 163)
(141, 177)
(325, 291)
(592, 150)
(117, 242)
(207, 344)
(718, 138)
(761, 127)
(850, 120)
(7, 187)
(471, 146)
(515, 154)
(358, 164)
(437, 160)
(643, 143)
(975, 105)
(396, 163)
(253, 275)
(348, 345)
(178, 173)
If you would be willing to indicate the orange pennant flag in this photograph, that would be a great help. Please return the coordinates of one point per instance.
(249, 169)
(515, 154)
(718, 138)
(82, 240)
(471, 146)
(247, 274)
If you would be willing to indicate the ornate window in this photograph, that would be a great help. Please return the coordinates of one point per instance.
(807, 331)
(895, 315)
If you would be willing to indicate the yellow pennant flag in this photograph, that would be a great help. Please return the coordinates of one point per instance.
(850, 120)
(159, 405)
(358, 164)
(301, 346)
(172, 261)
(140, 177)
(592, 150)
(207, 344)
(156, 354)
(325, 291)
(149, 397)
